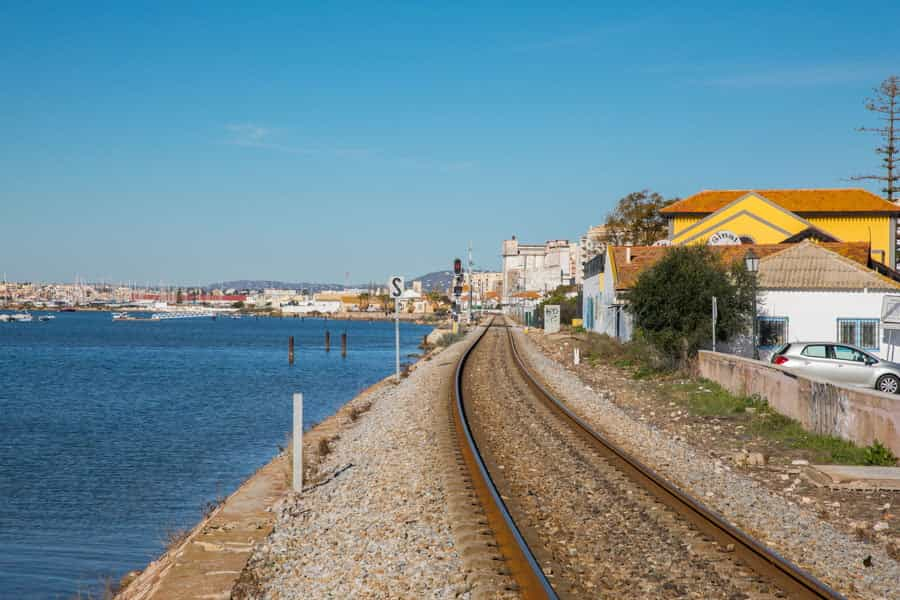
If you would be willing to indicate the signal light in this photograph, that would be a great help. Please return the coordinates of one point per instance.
(457, 266)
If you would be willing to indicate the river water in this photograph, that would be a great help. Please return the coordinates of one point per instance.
(113, 433)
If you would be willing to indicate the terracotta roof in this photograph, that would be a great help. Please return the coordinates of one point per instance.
(644, 257)
(811, 266)
(798, 201)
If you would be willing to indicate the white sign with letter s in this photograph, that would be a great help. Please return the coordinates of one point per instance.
(396, 286)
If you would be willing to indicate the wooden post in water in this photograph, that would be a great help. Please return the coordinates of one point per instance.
(344, 344)
(291, 350)
(327, 341)
(297, 450)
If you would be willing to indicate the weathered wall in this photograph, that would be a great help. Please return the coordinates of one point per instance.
(855, 414)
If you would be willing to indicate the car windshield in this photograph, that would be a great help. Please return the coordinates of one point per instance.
(847, 353)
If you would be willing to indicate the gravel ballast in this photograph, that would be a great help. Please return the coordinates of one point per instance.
(373, 523)
(798, 534)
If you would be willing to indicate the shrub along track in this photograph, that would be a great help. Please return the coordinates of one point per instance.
(548, 507)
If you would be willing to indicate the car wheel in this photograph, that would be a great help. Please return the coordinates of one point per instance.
(888, 383)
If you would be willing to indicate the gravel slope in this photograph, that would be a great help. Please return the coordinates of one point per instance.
(790, 530)
(376, 524)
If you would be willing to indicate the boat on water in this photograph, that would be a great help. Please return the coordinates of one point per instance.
(182, 315)
(21, 317)
(46, 318)
(4, 318)
(123, 316)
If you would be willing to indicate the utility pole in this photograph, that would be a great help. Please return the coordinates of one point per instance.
(471, 282)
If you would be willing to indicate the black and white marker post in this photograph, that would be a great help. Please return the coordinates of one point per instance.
(395, 289)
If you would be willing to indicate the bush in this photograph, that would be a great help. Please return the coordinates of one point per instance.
(568, 307)
(880, 455)
(450, 338)
(672, 300)
(634, 354)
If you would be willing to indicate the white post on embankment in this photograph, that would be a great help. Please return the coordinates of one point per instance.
(576, 357)
(297, 457)
(397, 335)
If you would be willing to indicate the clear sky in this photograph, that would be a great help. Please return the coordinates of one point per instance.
(242, 140)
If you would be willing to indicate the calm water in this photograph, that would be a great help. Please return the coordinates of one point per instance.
(112, 433)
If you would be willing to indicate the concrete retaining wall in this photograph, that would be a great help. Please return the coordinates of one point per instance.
(855, 414)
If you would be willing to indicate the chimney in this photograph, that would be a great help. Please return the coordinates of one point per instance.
(628, 255)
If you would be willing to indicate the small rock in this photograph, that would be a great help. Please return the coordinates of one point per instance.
(756, 459)
(800, 462)
(880, 526)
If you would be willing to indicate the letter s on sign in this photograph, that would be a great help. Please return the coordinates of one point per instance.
(395, 286)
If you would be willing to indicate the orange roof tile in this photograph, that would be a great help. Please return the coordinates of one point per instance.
(644, 257)
(798, 201)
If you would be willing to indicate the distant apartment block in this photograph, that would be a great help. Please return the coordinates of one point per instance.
(538, 268)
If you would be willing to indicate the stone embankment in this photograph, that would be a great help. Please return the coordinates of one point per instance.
(373, 522)
(838, 557)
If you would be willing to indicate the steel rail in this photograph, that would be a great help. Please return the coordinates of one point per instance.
(520, 561)
(789, 577)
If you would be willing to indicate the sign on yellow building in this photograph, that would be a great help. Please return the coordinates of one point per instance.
(778, 216)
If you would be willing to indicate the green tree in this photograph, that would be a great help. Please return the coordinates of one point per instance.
(568, 307)
(179, 296)
(672, 301)
(636, 220)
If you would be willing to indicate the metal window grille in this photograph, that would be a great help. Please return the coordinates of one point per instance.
(773, 331)
(859, 332)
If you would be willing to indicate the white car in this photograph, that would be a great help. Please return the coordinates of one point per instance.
(841, 363)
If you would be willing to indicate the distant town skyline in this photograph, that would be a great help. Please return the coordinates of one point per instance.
(197, 144)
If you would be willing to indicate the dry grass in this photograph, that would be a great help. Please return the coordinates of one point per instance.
(173, 536)
(359, 410)
(893, 550)
(208, 507)
(324, 447)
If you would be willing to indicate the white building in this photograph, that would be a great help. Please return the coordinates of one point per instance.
(311, 306)
(591, 244)
(808, 291)
(537, 268)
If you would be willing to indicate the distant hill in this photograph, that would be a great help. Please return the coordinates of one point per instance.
(436, 280)
(259, 284)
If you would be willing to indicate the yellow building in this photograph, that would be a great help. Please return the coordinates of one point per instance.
(778, 216)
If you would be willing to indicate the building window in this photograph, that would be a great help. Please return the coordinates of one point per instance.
(773, 331)
(859, 332)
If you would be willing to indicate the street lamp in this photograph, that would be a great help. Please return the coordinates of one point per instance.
(751, 261)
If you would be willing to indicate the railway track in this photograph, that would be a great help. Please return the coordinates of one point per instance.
(574, 515)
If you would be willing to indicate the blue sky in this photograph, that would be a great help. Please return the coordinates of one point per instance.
(300, 142)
